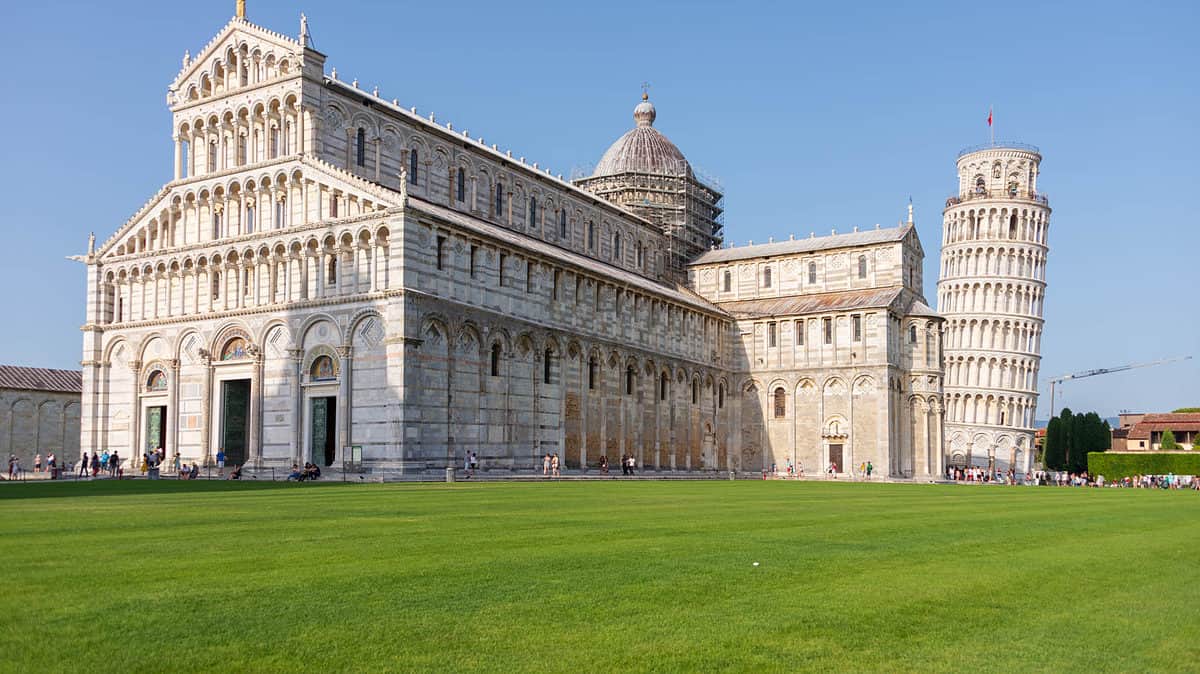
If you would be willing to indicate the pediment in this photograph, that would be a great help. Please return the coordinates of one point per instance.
(237, 40)
(147, 223)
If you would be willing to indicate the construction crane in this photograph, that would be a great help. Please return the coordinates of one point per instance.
(1105, 370)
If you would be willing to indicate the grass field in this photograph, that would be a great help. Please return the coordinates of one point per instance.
(596, 577)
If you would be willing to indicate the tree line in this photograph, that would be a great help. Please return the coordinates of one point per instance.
(1069, 438)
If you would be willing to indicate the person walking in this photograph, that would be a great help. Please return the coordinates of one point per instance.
(37, 462)
(870, 469)
(15, 468)
(12, 459)
(114, 462)
(52, 465)
(220, 461)
(546, 465)
(95, 464)
(554, 465)
(83, 465)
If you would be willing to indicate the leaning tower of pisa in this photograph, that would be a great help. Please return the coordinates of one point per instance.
(991, 288)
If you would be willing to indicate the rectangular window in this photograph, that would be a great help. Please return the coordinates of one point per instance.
(441, 252)
(461, 187)
(529, 276)
(728, 281)
(577, 285)
(596, 299)
(766, 277)
(333, 206)
(554, 289)
(856, 327)
(828, 330)
(500, 269)
(771, 336)
(474, 252)
(799, 333)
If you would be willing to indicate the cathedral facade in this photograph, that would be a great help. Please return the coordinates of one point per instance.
(331, 277)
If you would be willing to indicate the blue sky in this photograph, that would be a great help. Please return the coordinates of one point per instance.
(813, 117)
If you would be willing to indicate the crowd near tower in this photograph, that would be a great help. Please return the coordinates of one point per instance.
(993, 283)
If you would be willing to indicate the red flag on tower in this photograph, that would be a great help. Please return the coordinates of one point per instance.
(989, 116)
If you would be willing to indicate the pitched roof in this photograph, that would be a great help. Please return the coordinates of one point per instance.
(40, 379)
(1159, 423)
(796, 246)
(809, 304)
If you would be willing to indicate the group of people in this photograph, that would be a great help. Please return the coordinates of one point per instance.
(550, 465)
(471, 464)
(1067, 479)
(983, 475)
(628, 464)
(109, 463)
(311, 471)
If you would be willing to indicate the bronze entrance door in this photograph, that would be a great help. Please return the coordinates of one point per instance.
(156, 429)
(235, 421)
(322, 414)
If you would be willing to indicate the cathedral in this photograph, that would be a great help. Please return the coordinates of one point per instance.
(331, 277)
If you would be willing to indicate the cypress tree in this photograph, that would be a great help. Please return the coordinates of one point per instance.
(1053, 452)
(1168, 440)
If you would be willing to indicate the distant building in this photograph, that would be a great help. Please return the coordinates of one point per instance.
(1144, 432)
(39, 413)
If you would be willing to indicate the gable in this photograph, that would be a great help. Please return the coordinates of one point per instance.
(153, 222)
(240, 50)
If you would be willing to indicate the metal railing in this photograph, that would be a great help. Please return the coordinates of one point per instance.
(1036, 197)
(1000, 145)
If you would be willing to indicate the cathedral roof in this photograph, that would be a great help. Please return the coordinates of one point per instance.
(791, 305)
(643, 149)
(810, 245)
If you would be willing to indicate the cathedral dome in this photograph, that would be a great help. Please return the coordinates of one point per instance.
(643, 149)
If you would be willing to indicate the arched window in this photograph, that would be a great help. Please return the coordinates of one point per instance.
(235, 349)
(728, 281)
(912, 334)
(629, 374)
(1012, 226)
(562, 223)
(546, 362)
(499, 198)
(721, 396)
(249, 220)
(360, 147)
(331, 278)
(812, 273)
(617, 246)
(532, 211)
(780, 403)
(496, 359)
(592, 372)
(322, 369)
(980, 185)
(862, 266)
(641, 255)
(216, 285)
(414, 164)
(591, 235)
(281, 213)
(460, 188)
(662, 386)
(766, 277)
(157, 381)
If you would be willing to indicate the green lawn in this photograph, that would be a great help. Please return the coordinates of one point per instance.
(601, 576)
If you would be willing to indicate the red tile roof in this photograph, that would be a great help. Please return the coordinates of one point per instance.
(40, 379)
(1157, 423)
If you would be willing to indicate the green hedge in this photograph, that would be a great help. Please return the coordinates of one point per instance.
(1114, 466)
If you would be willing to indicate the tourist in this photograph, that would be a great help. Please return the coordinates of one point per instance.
(236, 473)
(603, 464)
(37, 462)
(624, 464)
(467, 465)
(194, 472)
(832, 470)
(114, 464)
(870, 469)
(104, 459)
(546, 465)
(14, 468)
(789, 467)
(95, 465)
(554, 465)
(175, 461)
(474, 462)
(83, 465)
(220, 460)
(52, 465)
(295, 474)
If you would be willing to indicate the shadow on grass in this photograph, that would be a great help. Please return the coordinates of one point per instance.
(72, 489)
